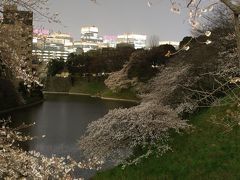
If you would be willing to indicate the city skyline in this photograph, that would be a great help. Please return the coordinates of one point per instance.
(54, 45)
(107, 15)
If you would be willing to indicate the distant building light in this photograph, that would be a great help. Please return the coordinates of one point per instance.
(138, 40)
(41, 31)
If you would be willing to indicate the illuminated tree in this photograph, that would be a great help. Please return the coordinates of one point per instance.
(198, 7)
(16, 35)
(18, 164)
(193, 78)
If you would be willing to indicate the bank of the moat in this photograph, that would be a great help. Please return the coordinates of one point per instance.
(83, 86)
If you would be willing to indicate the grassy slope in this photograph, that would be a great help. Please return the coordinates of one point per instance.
(207, 153)
(98, 88)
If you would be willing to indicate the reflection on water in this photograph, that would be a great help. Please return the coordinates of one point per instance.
(63, 119)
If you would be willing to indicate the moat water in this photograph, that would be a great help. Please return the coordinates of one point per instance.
(63, 119)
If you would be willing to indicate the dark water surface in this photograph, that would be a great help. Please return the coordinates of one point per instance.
(63, 119)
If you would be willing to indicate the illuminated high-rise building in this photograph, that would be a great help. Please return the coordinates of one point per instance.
(90, 34)
(90, 39)
(138, 40)
(110, 41)
(52, 46)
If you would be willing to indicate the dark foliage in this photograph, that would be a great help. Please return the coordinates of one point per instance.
(98, 61)
(55, 66)
(141, 61)
(9, 97)
(204, 62)
(77, 64)
(158, 55)
(139, 66)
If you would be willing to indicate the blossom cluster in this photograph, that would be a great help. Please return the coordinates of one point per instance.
(147, 125)
(119, 80)
(16, 163)
(15, 40)
(166, 96)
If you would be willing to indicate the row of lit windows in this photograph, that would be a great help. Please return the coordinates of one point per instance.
(48, 52)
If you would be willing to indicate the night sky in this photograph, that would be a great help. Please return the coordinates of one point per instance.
(114, 17)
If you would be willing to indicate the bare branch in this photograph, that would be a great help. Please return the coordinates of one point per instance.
(234, 8)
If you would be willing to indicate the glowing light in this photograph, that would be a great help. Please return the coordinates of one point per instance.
(208, 33)
(210, 8)
(149, 4)
(175, 8)
(168, 54)
(208, 42)
(186, 48)
(193, 23)
(204, 10)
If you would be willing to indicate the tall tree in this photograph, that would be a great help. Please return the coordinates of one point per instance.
(16, 31)
(153, 41)
(233, 5)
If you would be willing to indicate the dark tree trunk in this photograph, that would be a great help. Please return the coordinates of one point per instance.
(237, 34)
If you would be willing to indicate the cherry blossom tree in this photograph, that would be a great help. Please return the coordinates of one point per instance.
(234, 6)
(192, 79)
(18, 164)
(13, 35)
(198, 7)
(117, 134)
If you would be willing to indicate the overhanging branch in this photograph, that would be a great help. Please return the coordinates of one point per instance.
(233, 7)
